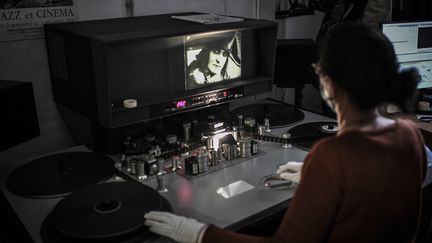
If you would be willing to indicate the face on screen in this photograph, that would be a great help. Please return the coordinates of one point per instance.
(217, 60)
(212, 58)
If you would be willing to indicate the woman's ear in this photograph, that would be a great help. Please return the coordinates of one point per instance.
(333, 90)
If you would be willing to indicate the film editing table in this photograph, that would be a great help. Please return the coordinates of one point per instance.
(232, 197)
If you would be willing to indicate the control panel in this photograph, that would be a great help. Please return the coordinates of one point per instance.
(203, 100)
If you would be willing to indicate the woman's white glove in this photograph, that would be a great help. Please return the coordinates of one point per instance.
(176, 227)
(290, 171)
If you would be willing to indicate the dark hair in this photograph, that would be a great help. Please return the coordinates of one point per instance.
(362, 62)
(202, 59)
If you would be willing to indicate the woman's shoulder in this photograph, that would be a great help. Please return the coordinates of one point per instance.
(407, 123)
(411, 127)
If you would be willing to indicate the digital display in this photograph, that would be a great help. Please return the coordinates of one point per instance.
(211, 58)
(181, 104)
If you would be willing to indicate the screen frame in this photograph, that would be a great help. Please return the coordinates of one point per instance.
(203, 44)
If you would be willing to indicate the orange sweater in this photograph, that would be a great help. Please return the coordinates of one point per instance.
(355, 187)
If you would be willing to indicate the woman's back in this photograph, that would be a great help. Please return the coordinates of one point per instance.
(366, 185)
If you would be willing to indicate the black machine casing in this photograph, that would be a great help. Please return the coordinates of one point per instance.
(19, 122)
(81, 72)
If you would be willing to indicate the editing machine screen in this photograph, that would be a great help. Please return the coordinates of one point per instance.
(412, 42)
(212, 58)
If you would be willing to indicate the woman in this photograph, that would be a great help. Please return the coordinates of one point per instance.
(363, 185)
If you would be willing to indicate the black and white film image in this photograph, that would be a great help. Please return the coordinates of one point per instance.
(212, 58)
(9, 4)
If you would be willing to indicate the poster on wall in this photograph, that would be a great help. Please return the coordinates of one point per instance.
(24, 19)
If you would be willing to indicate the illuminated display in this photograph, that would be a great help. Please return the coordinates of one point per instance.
(212, 58)
(181, 104)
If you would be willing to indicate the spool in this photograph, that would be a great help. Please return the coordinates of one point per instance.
(261, 130)
(171, 138)
(424, 105)
(175, 163)
(267, 125)
(133, 167)
(140, 171)
(228, 151)
(235, 151)
(191, 165)
(209, 142)
(161, 188)
(245, 148)
(235, 132)
(254, 147)
(203, 162)
(187, 131)
(392, 108)
(130, 103)
(214, 160)
(161, 166)
(240, 120)
(118, 165)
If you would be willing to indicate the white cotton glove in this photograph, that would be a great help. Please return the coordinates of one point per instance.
(176, 227)
(290, 171)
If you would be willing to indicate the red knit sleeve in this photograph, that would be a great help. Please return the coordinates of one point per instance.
(316, 200)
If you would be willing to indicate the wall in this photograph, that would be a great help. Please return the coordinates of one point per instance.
(26, 60)
(300, 27)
